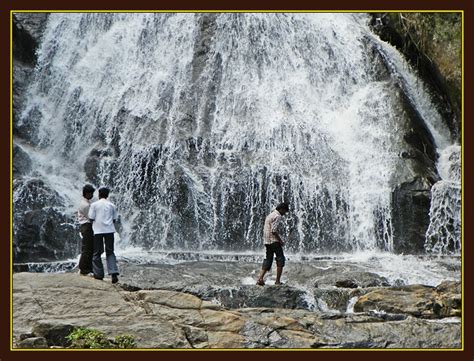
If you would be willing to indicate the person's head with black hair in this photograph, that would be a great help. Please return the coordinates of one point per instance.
(88, 191)
(104, 192)
(283, 208)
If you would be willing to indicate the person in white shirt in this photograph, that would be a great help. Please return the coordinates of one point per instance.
(85, 227)
(103, 215)
(273, 243)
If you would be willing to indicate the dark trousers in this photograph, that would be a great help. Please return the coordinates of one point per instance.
(271, 249)
(97, 266)
(85, 261)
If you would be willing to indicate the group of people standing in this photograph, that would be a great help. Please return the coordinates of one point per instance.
(97, 227)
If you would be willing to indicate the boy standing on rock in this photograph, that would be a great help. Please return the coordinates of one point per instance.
(273, 243)
(103, 215)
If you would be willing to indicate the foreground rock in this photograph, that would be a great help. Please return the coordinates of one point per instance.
(416, 300)
(47, 306)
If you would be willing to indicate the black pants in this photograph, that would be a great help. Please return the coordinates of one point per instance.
(85, 261)
(274, 248)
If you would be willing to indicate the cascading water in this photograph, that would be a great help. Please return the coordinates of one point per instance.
(444, 232)
(201, 123)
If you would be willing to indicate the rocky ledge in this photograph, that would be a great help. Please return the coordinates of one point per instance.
(46, 307)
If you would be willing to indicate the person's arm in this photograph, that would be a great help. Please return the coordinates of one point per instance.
(277, 236)
(275, 227)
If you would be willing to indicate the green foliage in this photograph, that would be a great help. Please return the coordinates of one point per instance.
(438, 36)
(90, 338)
(124, 341)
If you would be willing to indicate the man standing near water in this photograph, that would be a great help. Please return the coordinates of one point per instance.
(103, 215)
(273, 243)
(85, 227)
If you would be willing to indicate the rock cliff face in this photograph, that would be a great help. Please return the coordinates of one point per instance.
(42, 231)
(27, 32)
(188, 185)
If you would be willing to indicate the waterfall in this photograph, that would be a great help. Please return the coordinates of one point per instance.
(202, 123)
(444, 232)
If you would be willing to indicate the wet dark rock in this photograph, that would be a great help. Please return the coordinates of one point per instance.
(207, 27)
(346, 284)
(271, 296)
(27, 33)
(21, 162)
(22, 74)
(41, 229)
(336, 298)
(399, 283)
(33, 342)
(352, 279)
(54, 333)
(416, 173)
(33, 194)
(44, 235)
(47, 266)
(33, 24)
(26, 128)
(24, 336)
(91, 165)
(410, 215)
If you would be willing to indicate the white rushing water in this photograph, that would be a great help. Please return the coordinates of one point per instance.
(197, 149)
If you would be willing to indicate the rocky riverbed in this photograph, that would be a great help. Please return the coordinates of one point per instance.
(212, 304)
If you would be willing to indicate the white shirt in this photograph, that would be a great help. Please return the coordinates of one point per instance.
(103, 213)
(83, 211)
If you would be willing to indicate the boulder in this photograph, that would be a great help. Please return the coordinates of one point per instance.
(33, 342)
(449, 296)
(54, 333)
(416, 300)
